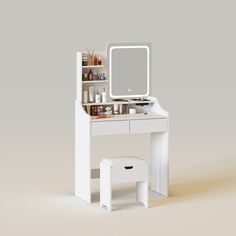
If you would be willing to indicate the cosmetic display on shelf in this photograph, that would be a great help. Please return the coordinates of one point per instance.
(92, 75)
(89, 58)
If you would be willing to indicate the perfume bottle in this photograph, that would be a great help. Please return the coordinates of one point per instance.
(90, 75)
(95, 60)
(94, 110)
(99, 61)
(102, 76)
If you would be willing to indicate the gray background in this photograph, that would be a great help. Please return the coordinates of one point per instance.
(193, 76)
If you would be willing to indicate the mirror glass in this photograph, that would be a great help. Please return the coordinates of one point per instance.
(129, 66)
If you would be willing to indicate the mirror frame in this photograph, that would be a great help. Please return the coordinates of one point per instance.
(112, 46)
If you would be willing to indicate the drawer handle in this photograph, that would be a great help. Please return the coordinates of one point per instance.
(128, 167)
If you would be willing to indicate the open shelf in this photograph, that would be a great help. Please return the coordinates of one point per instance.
(94, 81)
(93, 66)
(117, 102)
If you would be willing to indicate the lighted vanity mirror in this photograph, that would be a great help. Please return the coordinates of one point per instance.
(129, 70)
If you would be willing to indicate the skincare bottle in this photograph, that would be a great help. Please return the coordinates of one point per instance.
(99, 60)
(85, 77)
(102, 76)
(95, 60)
(95, 76)
(115, 108)
(104, 95)
(91, 98)
(108, 110)
(120, 108)
(97, 97)
(90, 75)
(85, 96)
(84, 59)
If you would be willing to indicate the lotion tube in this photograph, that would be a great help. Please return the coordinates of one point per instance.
(91, 97)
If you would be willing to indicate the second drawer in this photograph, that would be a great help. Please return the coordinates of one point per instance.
(110, 127)
(148, 125)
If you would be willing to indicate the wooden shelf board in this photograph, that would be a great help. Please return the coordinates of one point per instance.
(94, 81)
(93, 66)
(117, 102)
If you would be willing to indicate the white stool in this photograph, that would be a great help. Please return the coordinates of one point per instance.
(123, 170)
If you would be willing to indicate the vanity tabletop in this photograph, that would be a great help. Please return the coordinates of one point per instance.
(137, 116)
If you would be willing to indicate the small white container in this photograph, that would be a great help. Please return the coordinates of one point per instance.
(85, 96)
(97, 98)
(108, 110)
(132, 111)
(91, 97)
(104, 96)
(116, 107)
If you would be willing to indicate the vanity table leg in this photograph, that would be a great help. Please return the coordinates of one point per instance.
(159, 163)
(82, 157)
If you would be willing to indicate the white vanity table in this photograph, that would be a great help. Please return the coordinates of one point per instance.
(150, 118)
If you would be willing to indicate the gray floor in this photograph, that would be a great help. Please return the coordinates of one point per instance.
(37, 190)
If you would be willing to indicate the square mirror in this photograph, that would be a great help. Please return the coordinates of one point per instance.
(129, 70)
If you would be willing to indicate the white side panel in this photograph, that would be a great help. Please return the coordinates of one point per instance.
(82, 154)
(79, 76)
(160, 166)
(159, 155)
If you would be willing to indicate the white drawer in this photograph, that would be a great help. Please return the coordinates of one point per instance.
(148, 125)
(130, 173)
(109, 127)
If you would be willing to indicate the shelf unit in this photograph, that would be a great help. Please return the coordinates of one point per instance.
(98, 85)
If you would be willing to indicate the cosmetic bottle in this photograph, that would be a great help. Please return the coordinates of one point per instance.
(97, 97)
(90, 75)
(95, 60)
(91, 98)
(84, 59)
(102, 76)
(85, 96)
(94, 111)
(104, 95)
(95, 76)
(85, 77)
(99, 60)
(120, 108)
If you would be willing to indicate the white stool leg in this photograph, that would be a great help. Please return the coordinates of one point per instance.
(105, 186)
(142, 192)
